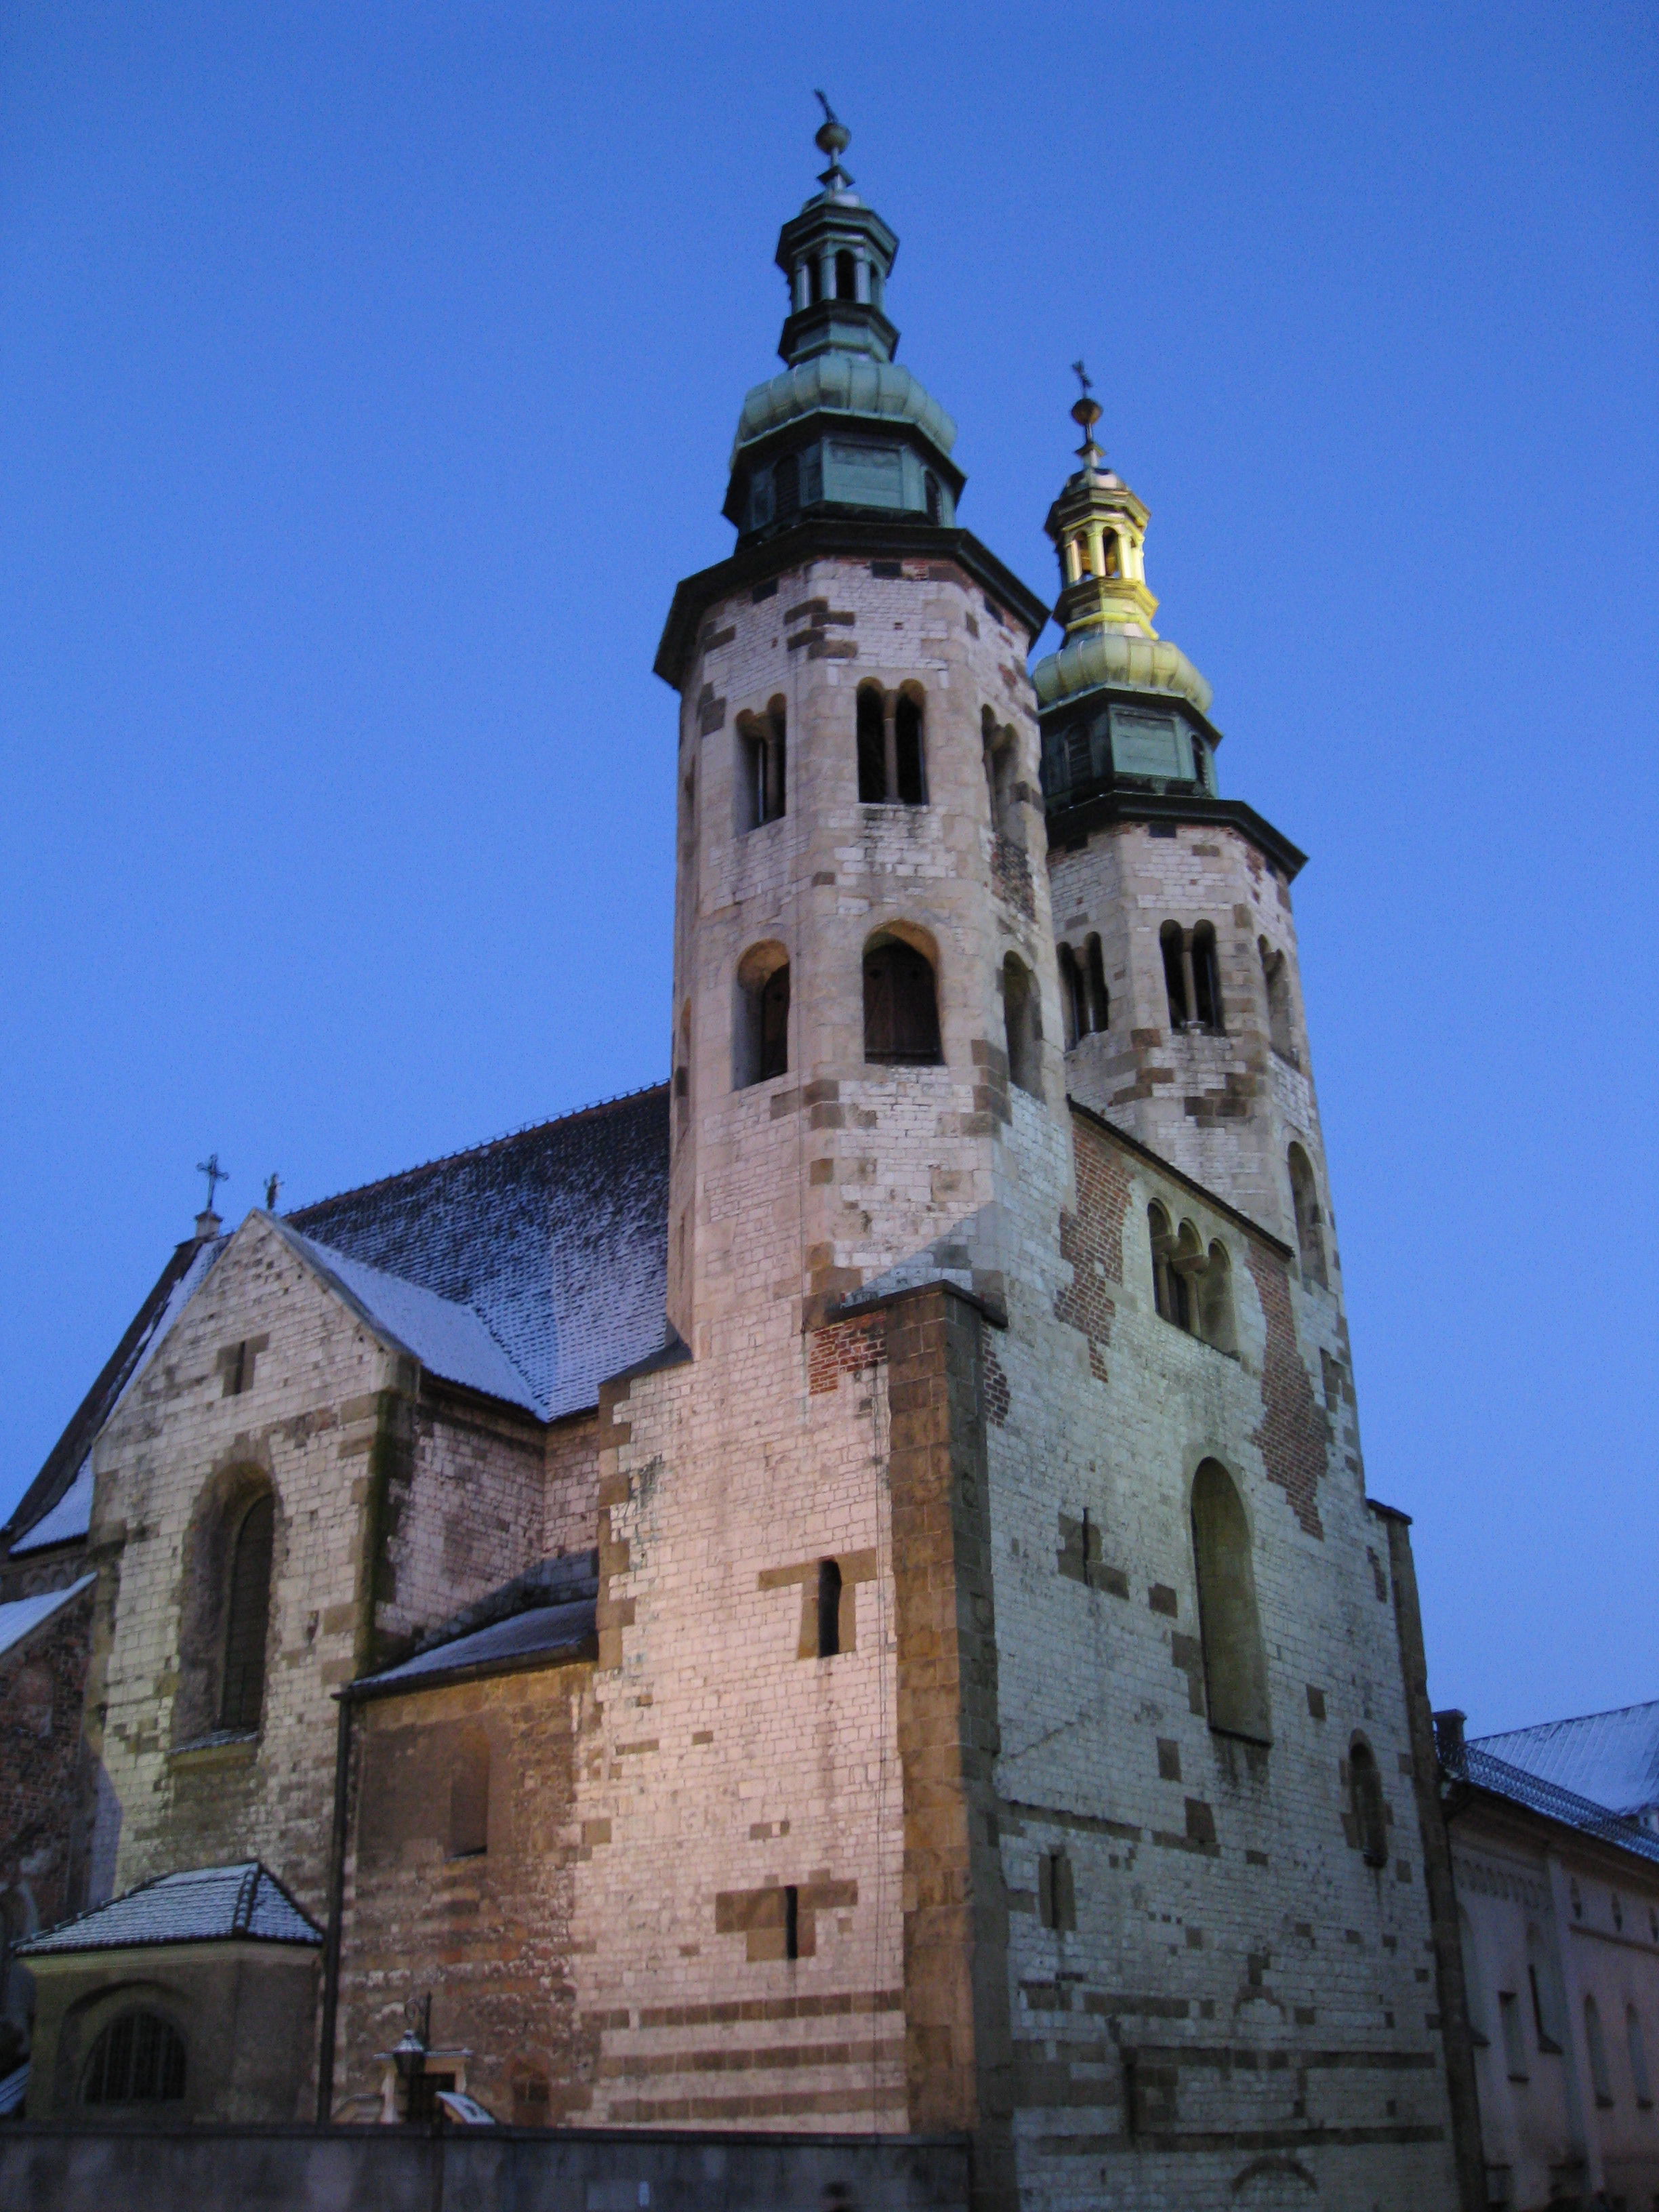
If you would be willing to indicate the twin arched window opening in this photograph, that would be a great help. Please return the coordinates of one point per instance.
(247, 1618)
(1084, 1000)
(1230, 1627)
(763, 777)
(1304, 1200)
(761, 1032)
(892, 768)
(1191, 977)
(1191, 1286)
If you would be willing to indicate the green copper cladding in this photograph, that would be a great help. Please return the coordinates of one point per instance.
(844, 430)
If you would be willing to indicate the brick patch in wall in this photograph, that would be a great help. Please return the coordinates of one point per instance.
(1091, 1239)
(1292, 1434)
(845, 1347)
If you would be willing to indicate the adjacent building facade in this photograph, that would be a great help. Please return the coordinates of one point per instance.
(838, 1593)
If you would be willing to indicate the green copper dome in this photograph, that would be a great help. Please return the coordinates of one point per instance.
(844, 430)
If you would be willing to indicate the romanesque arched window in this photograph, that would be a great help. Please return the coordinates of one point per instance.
(901, 1003)
(1366, 1809)
(872, 746)
(1215, 1300)
(1207, 978)
(761, 1029)
(1072, 1005)
(762, 778)
(1021, 1026)
(1172, 945)
(247, 1617)
(910, 784)
(1099, 998)
(1234, 1662)
(1276, 976)
(1171, 1296)
(138, 2059)
(1304, 1200)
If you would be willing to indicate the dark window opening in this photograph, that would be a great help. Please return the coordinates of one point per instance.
(1072, 1004)
(1370, 1814)
(1056, 1893)
(846, 283)
(469, 1797)
(762, 776)
(1200, 764)
(1111, 560)
(1175, 974)
(912, 789)
(791, 1922)
(1207, 978)
(138, 2059)
(785, 484)
(421, 2101)
(872, 748)
(888, 569)
(239, 1364)
(930, 491)
(1171, 1292)
(1276, 975)
(248, 1618)
(1304, 1200)
(761, 1045)
(814, 283)
(1021, 1027)
(1230, 1628)
(766, 591)
(829, 1609)
(901, 1004)
(1099, 1000)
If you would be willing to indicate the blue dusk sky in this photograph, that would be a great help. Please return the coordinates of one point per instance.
(366, 378)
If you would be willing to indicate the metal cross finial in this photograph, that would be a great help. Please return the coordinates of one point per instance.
(1083, 378)
(1087, 413)
(216, 1174)
(273, 1188)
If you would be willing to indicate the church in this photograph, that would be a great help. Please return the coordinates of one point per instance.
(836, 1594)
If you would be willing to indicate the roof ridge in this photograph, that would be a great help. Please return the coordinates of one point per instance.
(1571, 1720)
(473, 1152)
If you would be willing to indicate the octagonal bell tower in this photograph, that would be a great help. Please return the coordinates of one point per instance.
(867, 1048)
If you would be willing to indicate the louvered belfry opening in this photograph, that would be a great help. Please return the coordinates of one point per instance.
(248, 1618)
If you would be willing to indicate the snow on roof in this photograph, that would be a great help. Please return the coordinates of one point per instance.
(447, 1339)
(556, 1237)
(544, 1633)
(1478, 1765)
(70, 1517)
(203, 1904)
(1611, 1757)
(21, 1616)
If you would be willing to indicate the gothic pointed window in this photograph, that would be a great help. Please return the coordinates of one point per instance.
(901, 1003)
(1235, 1662)
(1596, 2045)
(247, 1618)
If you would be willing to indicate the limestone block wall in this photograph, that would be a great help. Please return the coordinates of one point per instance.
(487, 1933)
(900, 1167)
(470, 1515)
(42, 1796)
(1223, 1107)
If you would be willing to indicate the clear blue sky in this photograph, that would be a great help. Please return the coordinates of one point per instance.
(366, 375)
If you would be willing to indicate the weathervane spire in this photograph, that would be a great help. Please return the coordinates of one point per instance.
(1085, 414)
(833, 138)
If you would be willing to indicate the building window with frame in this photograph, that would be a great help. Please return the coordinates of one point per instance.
(901, 1003)
(1230, 1627)
(761, 1037)
(247, 1618)
(138, 2059)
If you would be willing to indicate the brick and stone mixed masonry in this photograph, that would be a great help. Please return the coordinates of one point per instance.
(971, 1633)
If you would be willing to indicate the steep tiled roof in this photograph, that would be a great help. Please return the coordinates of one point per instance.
(66, 1478)
(1611, 1757)
(449, 1339)
(21, 1616)
(556, 1237)
(204, 1904)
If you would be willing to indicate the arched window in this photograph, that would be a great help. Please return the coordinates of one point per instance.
(1100, 1003)
(469, 1796)
(1001, 759)
(829, 1589)
(247, 1618)
(1365, 1805)
(931, 494)
(1207, 978)
(1595, 2042)
(1275, 972)
(1111, 559)
(762, 778)
(847, 282)
(1636, 2043)
(1170, 1293)
(1021, 1024)
(910, 788)
(1057, 1891)
(873, 747)
(1304, 1199)
(138, 2059)
(1215, 1300)
(1235, 1664)
(1171, 945)
(1072, 1005)
(901, 1003)
(761, 1032)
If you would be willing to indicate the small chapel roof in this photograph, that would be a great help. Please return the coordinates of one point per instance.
(203, 1905)
(1610, 1757)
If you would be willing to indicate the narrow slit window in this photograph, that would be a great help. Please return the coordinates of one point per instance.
(829, 1592)
(1072, 1002)
(1304, 1202)
(791, 1922)
(1100, 1002)
(1023, 1029)
(469, 1796)
(873, 747)
(1174, 977)
(1365, 1804)
(247, 1618)
(1207, 978)
(1508, 2024)
(1636, 2043)
(912, 769)
(1056, 1892)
